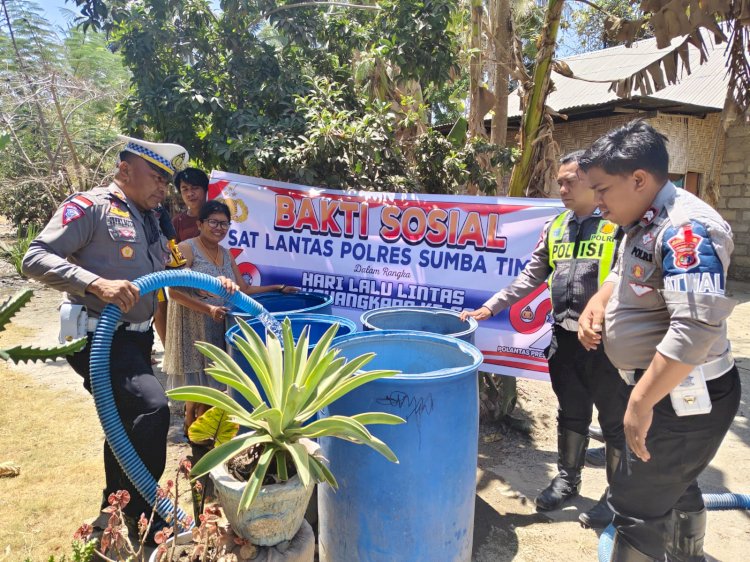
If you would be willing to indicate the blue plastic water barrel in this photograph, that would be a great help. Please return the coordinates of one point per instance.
(318, 323)
(422, 319)
(422, 509)
(291, 303)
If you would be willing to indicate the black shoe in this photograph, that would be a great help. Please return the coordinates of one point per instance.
(560, 489)
(599, 516)
(596, 457)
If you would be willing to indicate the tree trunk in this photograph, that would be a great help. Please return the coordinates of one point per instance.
(476, 119)
(532, 119)
(502, 37)
(81, 176)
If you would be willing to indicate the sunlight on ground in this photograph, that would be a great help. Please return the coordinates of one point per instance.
(49, 435)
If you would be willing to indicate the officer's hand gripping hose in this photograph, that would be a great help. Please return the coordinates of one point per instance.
(725, 500)
(101, 384)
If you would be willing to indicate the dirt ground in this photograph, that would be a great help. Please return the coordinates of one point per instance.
(512, 468)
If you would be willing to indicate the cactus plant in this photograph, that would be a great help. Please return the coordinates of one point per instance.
(20, 353)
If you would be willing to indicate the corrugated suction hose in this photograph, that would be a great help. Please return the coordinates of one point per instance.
(101, 384)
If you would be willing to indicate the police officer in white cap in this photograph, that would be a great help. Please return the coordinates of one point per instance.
(93, 247)
(664, 312)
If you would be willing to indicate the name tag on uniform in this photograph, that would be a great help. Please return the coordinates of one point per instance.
(121, 229)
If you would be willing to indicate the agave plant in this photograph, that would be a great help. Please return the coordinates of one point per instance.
(20, 353)
(297, 386)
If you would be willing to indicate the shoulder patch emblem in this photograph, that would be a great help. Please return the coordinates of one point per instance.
(82, 202)
(648, 238)
(639, 289)
(685, 247)
(638, 271)
(70, 213)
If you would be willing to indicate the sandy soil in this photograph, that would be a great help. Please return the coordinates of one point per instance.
(512, 468)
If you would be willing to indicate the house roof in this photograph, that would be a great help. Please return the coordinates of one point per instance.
(705, 87)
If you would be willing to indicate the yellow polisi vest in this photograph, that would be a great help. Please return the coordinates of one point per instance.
(600, 245)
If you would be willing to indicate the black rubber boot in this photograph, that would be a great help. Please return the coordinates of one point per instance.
(599, 516)
(622, 551)
(686, 541)
(571, 449)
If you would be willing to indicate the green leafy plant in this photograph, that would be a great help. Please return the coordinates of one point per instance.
(83, 551)
(212, 428)
(15, 252)
(20, 353)
(297, 386)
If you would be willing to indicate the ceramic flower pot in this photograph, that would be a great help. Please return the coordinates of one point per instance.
(182, 538)
(274, 517)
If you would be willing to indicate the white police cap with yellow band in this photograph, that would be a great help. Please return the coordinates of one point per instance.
(170, 158)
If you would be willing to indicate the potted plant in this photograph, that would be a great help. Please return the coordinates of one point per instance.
(19, 353)
(277, 462)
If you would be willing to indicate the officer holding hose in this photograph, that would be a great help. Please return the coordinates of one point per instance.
(96, 243)
(663, 312)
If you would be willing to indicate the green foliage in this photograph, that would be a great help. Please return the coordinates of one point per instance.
(15, 252)
(83, 551)
(444, 167)
(297, 386)
(344, 148)
(29, 202)
(12, 305)
(36, 40)
(17, 354)
(588, 23)
(326, 96)
(56, 100)
(212, 428)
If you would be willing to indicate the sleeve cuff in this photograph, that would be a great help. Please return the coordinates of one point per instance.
(81, 282)
(493, 305)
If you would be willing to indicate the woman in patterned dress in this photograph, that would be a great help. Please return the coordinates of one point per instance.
(198, 315)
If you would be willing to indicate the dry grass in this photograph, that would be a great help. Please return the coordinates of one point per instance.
(49, 426)
(56, 439)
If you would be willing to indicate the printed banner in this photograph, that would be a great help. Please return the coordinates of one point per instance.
(372, 250)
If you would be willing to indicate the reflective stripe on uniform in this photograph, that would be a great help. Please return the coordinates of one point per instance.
(600, 246)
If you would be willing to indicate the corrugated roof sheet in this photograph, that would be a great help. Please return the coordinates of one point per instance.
(705, 87)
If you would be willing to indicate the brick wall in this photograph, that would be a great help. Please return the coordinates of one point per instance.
(734, 200)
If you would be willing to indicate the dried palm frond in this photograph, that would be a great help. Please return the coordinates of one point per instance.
(727, 20)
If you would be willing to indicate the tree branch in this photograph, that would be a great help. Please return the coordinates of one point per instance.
(24, 73)
(311, 4)
(597, 8)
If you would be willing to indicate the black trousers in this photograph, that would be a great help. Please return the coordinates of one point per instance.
(143, 408)
(643, 494)
(581, 379)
